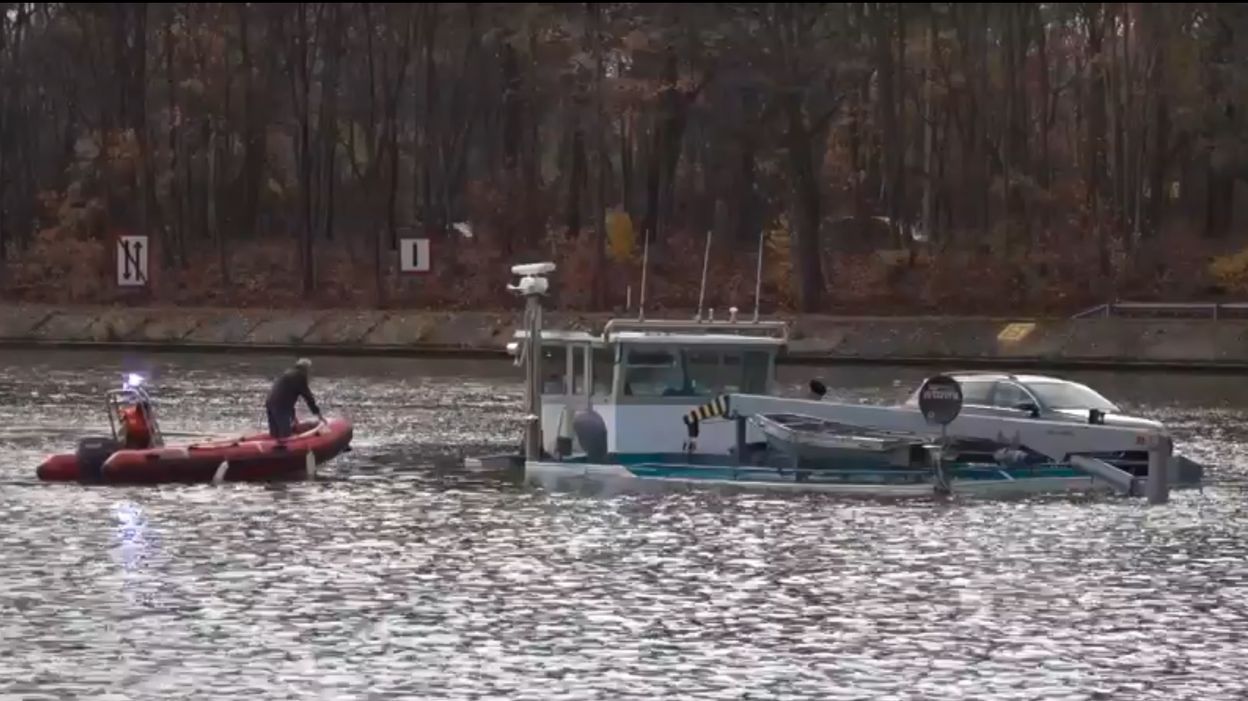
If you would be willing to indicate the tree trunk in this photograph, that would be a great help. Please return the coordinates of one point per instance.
(300, 75)
(748, 219)
(1160, 151)
(899, 214)
(890, 143)
(512, 108)
(576, 180)
(603, 165)
(8, 98)
(253, 140)
(138, 105)
(327, 122)
(1095, 18)
(430, 130)
(983, 154)
(807, 207)
(173, 251)
(928, 126)
(223, 250)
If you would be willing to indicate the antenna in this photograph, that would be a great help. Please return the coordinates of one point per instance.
(645, 263)
(706, 258)
(758, 277)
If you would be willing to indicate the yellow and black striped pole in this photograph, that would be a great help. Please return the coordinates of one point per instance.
(716, 408)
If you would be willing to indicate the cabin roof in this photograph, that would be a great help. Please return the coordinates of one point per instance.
(772, 328)
(702, 339)
(557, 337)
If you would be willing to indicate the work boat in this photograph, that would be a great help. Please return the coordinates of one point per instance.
(251, 457)
(697, 401)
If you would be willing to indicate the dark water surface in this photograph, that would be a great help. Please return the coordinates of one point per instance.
(409, 577)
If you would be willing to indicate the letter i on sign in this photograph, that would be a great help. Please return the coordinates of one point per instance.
(414, 256)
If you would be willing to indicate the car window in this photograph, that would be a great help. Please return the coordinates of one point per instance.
(1063, 395)
(1009, 395)
(975, 391)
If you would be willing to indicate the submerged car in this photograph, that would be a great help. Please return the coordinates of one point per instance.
(1038, 397)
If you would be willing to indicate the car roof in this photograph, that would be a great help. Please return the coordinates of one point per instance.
(971, 375)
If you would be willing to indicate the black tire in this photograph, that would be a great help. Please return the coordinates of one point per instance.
(91, 454)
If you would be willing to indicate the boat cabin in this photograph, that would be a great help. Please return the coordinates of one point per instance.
(642, 376)
(630, 367)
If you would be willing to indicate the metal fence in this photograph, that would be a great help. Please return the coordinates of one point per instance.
(1160, 310)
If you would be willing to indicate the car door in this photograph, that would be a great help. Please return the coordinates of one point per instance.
(1008, 396)
(976, 397)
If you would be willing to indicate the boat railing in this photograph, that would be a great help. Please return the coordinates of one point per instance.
(771, 328)
(138, 397)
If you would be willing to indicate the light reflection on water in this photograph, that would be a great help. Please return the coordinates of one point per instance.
(409, 577)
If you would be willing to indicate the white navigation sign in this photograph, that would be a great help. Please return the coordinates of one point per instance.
(132, 256)
(414, 255)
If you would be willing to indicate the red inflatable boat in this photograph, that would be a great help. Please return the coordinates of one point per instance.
(258, 457)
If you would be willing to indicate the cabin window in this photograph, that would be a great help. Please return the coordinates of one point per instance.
(578, 370)
(704, 374)
(554, 368)
(730, 370)
(604, 371)
(716, 372)
(698, 372)
(651, 373)
(756, 372)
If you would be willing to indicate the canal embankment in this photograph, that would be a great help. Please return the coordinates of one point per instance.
(1100, 342)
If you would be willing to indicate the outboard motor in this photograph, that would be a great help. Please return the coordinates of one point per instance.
(591, 432)
(92, 452)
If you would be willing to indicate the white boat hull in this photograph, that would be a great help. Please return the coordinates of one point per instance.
(659, 428)
(558, 475)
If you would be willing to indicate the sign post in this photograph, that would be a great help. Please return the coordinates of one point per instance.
(414, 256)
(133, 253)
(940, 401)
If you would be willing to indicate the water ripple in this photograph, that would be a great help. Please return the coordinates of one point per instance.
(409, 578)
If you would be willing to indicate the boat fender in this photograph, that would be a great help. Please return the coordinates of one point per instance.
(92, 453)
(591, 432)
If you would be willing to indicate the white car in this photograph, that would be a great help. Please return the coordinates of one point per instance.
(1038, 397)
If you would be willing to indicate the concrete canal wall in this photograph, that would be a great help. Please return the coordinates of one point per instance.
(1020, 343)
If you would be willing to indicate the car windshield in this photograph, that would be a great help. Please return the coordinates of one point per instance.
(1063, 395)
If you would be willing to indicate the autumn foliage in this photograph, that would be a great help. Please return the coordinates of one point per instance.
(890, 159)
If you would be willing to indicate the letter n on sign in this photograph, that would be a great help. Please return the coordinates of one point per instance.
(414, 256)
(132, 256)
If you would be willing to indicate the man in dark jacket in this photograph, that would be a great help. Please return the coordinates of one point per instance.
(287, 390)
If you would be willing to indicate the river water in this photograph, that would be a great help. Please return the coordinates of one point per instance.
(404, 576)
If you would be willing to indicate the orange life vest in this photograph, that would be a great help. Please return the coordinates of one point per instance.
(134, 427)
